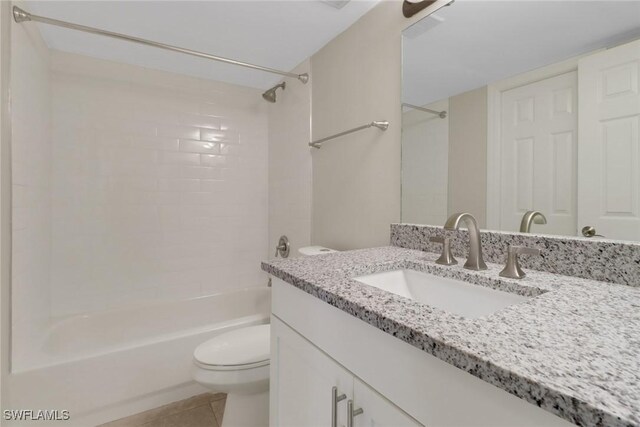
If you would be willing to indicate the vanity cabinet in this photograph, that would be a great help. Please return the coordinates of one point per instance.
(302, 393)
(316, 347)
(311, 389)
(377, 411)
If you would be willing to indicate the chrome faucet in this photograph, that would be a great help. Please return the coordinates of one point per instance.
(531, 217)
(474, 260)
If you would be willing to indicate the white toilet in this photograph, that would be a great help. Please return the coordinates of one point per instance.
(237, 363)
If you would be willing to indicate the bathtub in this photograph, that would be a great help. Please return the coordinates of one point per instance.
(113, 363)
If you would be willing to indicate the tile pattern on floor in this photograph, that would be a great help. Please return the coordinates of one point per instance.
(203, 410)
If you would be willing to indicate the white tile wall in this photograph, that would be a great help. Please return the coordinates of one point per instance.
(159, 185)
(290, 165)
(31, 192)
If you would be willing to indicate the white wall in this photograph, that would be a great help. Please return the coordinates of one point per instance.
(290, 165)
(468, 154)
(444, 168)
(159, 185)
(356, 179)
(5, 202)
(425, 153)
(31, 191)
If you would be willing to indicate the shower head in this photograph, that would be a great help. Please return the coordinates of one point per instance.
(270, 95)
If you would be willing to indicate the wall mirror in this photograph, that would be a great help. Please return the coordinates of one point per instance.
(522, 106)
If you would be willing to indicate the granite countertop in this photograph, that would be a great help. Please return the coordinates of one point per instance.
(573, 350)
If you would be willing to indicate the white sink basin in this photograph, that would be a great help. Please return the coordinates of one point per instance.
(451, 295)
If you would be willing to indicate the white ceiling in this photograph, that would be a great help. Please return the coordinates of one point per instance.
(480, 42)
(276, 34)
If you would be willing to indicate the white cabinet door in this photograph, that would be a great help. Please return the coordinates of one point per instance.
(609, 151)
(376, 410)
(538, 149)
(302, 378)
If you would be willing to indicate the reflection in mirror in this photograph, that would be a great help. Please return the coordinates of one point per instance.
(524, 106)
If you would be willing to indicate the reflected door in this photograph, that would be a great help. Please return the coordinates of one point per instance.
(609, 152)
(538, 135)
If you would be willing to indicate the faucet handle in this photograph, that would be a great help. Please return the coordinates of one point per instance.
(283, 247)
(446, 258)
(513, 270)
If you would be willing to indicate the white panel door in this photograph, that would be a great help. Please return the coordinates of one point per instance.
(302, 378)
(609, 159)
(376, 410)
(538, 150)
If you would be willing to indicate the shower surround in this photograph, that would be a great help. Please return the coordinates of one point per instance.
(31, 221)
(143, 202)
(140, 203)
(159, 185)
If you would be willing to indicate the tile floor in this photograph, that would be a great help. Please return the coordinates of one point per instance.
(204, 410)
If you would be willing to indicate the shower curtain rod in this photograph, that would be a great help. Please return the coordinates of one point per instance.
(20, 15)
(441, 114)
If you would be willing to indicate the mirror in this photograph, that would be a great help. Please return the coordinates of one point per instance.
(518, 107)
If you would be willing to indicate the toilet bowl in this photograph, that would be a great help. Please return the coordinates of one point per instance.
(237, 363)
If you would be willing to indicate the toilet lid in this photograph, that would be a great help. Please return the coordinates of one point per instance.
(241, 348)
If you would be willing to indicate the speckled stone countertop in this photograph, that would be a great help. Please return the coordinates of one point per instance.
(573, 349)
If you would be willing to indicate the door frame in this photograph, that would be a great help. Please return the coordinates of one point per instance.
(494, 124)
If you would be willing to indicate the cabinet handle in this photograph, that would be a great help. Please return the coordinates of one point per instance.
(334, 405)
(351, 413)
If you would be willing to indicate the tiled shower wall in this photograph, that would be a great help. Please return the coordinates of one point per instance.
(159, 185)
(31, 191)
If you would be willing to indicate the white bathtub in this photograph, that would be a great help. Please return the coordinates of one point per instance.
(109, 364)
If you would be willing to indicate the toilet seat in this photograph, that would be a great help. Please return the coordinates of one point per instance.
(231, 367)
(240, 349)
